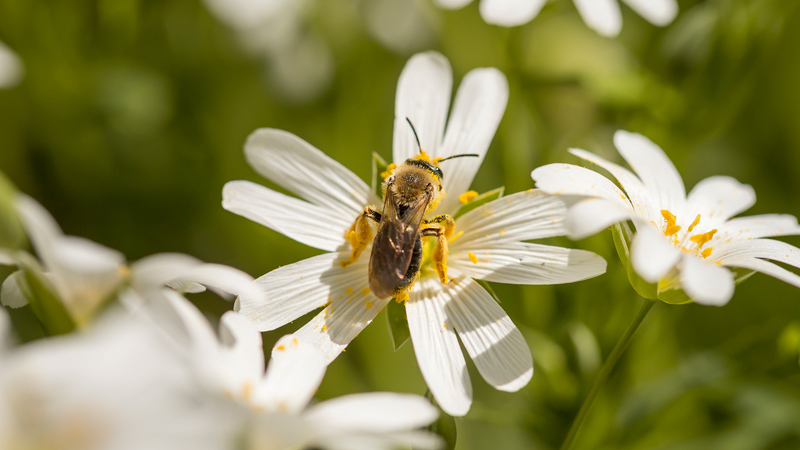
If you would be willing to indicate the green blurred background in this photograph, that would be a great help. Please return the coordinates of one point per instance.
(132, 115)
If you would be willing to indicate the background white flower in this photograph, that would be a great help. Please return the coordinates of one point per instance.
(487, 243)
(11, 67)
(688, 240)
(84, 274)
(603, 16)
(116, 387)
(274, 404)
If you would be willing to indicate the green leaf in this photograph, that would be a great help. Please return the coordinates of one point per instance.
(488, 287)
(398, 323)
(623, 235)
(480, 200)
(48, 308)
(379, 165)
(12, 235)
(445, 426)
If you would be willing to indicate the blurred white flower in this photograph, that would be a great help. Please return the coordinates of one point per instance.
(116, 387)
(603, 16)
(274, 404)
(487, 243)
(684, 240)
(11, 67)
(85, 274)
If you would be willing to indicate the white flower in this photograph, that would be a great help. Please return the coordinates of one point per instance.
(274, 405)
(11, 67)
(681, 239)
(115, 387)
(487, 243)
(603, 16)
(84, 274)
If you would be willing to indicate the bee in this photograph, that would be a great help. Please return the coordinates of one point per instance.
(411, 191)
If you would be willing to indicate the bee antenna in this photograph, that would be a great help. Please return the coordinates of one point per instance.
(473, 155)
(415, 134)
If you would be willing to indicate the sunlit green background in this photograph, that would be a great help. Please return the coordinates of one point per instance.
(132, 115)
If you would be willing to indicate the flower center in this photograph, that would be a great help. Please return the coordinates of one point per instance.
(701, 239)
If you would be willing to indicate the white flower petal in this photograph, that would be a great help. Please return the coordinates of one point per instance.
(493, 342)
(376, 412)
(438, 354)
(302, 221)
(201, 335)
(155, 271)
(633, 186)
(765, 267)
(186, 287)
(602, 16)
(11, 295)
(299, 167)
(11, 67)
(762, 225)
(423, 96)
(655, 170)
(245, 347)
(651, 255)
(717, 199)
(479, 105)
(6, 259)
(522, 216)
(510, 13)
(593, 215)
(293, 375)
(452, 4)
(758, 248)
(340, 322)
(657, 12)
(705, 282)
(384, 441)
(568, 179)
(79, 255)
(42, 229)
(297, 289)
(526, 263)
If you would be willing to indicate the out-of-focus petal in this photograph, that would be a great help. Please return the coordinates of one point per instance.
(11, 295)
(717, 199)
(376, 412)
(602, 16)
(762, 225)
(657, 12)
(593, 215)
(651, 255)
(510, 13)
(11, 67)
(568, 179)
(293, 375)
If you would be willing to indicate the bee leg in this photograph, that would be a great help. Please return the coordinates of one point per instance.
(360, 234)
(442, 227)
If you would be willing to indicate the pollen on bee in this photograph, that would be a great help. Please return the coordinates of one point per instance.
(389, 170)
(467, 197)
(472, 257)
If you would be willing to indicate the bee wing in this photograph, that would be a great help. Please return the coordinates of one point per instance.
(394, 243)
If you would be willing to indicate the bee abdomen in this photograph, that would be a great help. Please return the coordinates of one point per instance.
(413, 267)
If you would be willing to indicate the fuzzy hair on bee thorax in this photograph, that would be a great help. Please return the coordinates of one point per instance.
(411, 182)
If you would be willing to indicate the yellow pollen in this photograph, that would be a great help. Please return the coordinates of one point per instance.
(247, 389)
(423, 155)
(472, 257)
(456, 236)
(389, 171)
(369, 305)
(670, 219)
(445, 324)
(401, 297)
(694, 223)
(280, 348)
(705, 253)
(324, 328)
(467, 197)
(701, 239)
(365, 291)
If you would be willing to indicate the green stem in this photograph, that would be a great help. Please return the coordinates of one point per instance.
(605, 371)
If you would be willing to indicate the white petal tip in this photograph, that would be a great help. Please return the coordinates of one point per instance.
(518, 383)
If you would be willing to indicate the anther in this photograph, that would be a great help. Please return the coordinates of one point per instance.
(670, 219)
(701, 239)
(694, 223)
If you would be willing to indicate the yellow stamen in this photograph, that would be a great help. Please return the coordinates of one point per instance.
(247, 389)
(467, 197)
(701, 239)
(694, 223)
(671, 227)
(705, 253)
(389, 171)
(472, 257)
(457, 235)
